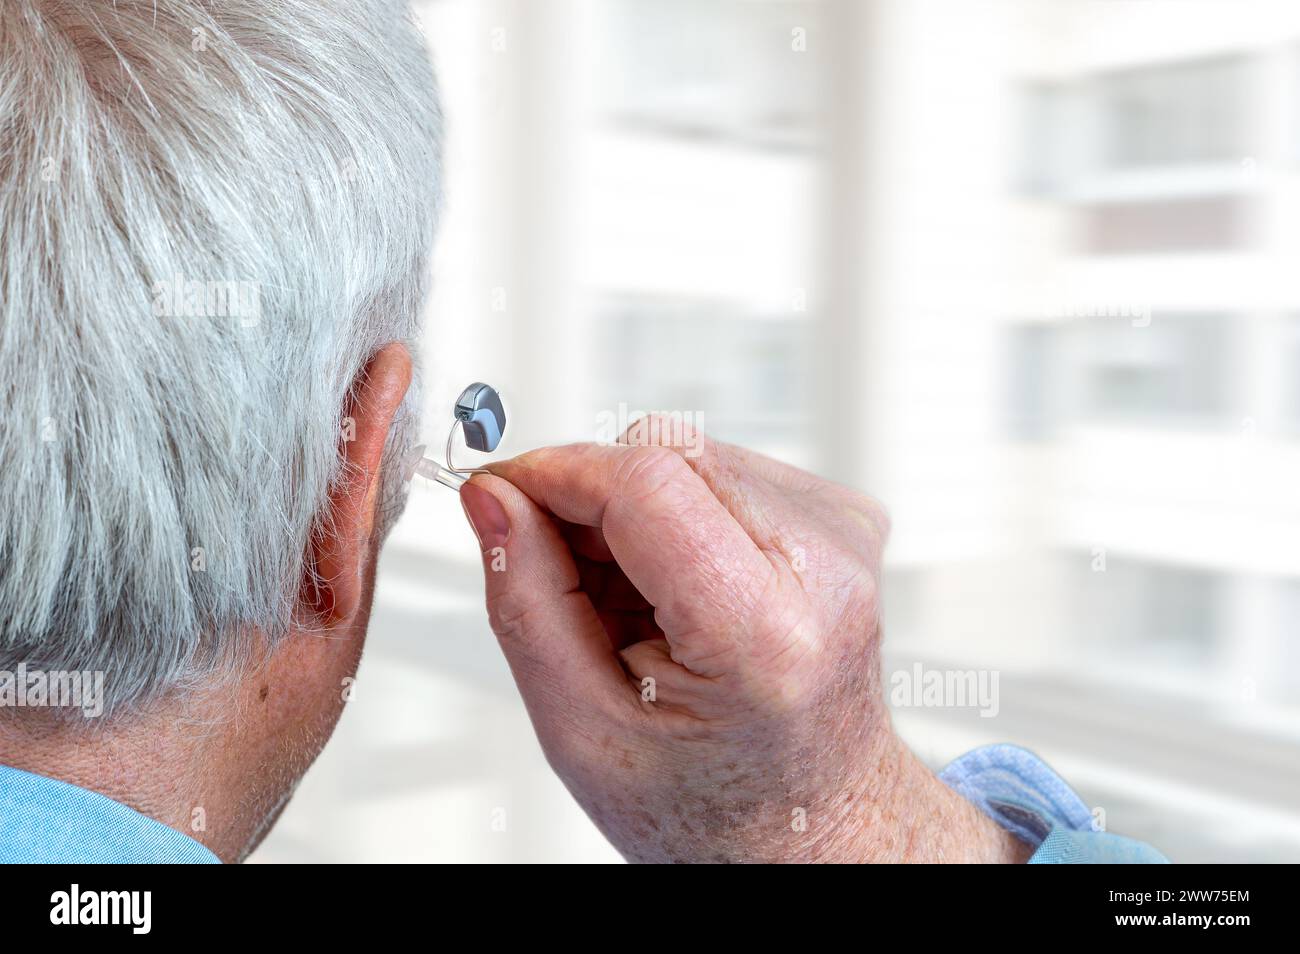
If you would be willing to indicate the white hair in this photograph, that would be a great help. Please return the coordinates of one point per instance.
(213, 212)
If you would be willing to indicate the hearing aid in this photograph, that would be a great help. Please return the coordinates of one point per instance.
(480, 416)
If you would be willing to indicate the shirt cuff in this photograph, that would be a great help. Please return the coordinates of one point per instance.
(1021, 793)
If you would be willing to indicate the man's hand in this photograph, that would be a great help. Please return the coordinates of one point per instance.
(697, 642)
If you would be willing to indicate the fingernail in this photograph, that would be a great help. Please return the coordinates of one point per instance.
(486, 516)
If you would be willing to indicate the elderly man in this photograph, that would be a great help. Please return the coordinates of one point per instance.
(217, 220)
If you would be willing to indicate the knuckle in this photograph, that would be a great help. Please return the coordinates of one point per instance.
(868, 513)
(659, 429)
(508, 615)
(875, 512)
(646, 470)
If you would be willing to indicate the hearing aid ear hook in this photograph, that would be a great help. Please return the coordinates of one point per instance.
(481, 417)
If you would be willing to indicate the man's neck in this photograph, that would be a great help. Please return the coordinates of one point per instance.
(178, 763)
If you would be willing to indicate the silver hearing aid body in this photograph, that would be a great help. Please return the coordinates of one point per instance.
(481, 417)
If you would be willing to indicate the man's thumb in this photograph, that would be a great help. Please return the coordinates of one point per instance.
(549, 631)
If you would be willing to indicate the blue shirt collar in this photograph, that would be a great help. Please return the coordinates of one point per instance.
(45, 821)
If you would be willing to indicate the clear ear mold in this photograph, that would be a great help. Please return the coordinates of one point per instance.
(481, 417)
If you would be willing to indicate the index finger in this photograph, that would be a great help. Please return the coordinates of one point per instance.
(675, 541)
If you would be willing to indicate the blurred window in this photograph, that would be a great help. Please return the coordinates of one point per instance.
(1030, 408)
(1044, 119)
(747, 374)
(1287, 670)
(712, 70)
(1175, 367)
(1154, 118)
(1175, 370)
(1149, 607)
(1186, 113)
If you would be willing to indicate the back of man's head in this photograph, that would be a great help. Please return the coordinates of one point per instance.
(213, 212)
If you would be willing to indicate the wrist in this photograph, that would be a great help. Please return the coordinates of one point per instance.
(913, 817)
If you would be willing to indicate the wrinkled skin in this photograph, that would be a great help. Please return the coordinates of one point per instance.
(696, 638)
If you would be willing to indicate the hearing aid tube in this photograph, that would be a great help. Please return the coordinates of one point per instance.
(432, 470)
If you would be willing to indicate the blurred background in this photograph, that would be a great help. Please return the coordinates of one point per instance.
(1023, 269)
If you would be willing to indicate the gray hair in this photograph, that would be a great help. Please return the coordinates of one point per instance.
(212, 215)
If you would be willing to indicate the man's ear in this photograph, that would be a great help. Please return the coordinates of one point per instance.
(341, 544)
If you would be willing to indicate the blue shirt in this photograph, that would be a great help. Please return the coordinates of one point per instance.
(44, 821)
(1017, 790)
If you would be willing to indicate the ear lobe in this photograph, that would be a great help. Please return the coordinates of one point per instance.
(341, 543)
